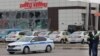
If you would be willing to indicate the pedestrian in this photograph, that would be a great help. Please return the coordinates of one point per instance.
(93, 42)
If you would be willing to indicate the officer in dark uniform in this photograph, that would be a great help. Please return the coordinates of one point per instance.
(90, 42)
(93, 41)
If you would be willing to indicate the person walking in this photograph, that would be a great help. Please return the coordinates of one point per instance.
(93, 42)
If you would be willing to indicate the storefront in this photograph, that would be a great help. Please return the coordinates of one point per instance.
(45, 14)
(71, 13)
(25, 14)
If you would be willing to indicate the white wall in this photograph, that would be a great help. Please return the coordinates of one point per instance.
(62, 3)
(70, 17)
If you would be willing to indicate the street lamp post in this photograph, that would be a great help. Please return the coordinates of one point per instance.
(90, 17)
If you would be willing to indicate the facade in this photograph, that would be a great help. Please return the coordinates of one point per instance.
(47, 14)
(74, 13)
(25, 14)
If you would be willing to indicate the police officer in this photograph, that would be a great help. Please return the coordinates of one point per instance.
(93, 41)
(90, 42)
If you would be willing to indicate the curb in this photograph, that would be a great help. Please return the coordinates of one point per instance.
(79, 48)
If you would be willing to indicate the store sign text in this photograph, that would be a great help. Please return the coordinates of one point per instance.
(33, 4)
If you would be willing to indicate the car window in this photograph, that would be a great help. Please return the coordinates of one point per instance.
(25, 39)
(64, 33)
(77, 32)
(41, 39)
(42, 33)
(35, 39)
(85, 33)
(12, 33)
(55, 32)
(28, 33)
(22, 33)
(36, 33)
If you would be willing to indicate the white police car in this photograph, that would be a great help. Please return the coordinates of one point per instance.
(31, 43)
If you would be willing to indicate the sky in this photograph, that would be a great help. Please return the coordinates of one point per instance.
(92, 1)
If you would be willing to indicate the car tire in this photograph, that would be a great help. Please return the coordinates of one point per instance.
(62, 41)
(82, 41)
(11, 52)
(26, 50)
(66, 41)
(48, 48)
(17, 38)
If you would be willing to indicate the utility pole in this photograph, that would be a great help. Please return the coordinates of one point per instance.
(88, 16)
(97, 18)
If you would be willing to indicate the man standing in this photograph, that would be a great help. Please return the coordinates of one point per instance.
(90, 42)
(93, 41)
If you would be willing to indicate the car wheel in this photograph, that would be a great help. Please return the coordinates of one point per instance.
(62, 41)
(82, 41)
(17, 38)
(48, 48)
(26, 50)
(11, 52)
(66, 40)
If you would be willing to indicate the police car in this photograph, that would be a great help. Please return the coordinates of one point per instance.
(31, 43)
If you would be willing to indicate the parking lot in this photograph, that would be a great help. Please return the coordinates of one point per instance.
(58, 51)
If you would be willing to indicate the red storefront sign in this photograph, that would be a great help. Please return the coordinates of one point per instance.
(33, 4)
(97, 14)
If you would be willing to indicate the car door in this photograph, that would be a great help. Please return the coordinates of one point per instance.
(33, 44)
(75, 37)
(41, 43)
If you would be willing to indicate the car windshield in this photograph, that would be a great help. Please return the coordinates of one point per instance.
(80, 32)
(42, 33)
(55, 32)
(25, 39)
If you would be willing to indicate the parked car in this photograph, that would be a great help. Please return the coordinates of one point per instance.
(35, 33)
(44, 33)
(31, 43)
(59, 36)
(78, 36)
(14, 36)
(5, 32)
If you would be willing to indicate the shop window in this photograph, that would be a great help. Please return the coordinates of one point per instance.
(0, 15)
(31, 15)
(41, 24)
(37, 14)
(18, 16)
(83, 16)
(7, 14)
(24, 14)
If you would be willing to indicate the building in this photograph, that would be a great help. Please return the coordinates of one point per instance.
(47, 14)
(25, 14)
(66, 13)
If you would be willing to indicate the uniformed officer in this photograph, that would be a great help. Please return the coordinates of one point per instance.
(90, 42)
(93, 41)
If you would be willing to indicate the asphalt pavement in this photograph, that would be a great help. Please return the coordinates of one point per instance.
(58, 51)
